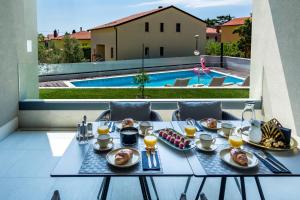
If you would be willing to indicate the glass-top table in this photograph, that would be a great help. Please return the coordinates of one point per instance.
(175, 163)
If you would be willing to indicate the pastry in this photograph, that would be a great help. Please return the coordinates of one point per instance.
(211, 123)
(123, 156)
(127, 123)
(239, 157)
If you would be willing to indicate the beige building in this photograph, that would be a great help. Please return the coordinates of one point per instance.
(227, 29)
(165, 32)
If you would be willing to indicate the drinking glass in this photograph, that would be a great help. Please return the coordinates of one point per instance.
(103, 127)
(150, 139)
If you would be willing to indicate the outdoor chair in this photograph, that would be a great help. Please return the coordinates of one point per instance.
(140, 111)
(201, 110)
(217, 82)
(246, 82)
(180, 82)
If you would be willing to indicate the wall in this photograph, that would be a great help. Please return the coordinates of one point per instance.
(227, 35)
(275, 60)
(9, 89)
(132, 35)
(105, 37)
(25, 15)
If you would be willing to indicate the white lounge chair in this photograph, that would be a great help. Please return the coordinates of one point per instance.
(246, 82)
(180, 82)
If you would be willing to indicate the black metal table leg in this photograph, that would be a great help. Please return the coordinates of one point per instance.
(243, 189)
(261, 193)
(183, 195)
(101, 187)
(147, 188)
(143, 188)
(154, 187)
(105, 188)
(222, 188)
(200, 188)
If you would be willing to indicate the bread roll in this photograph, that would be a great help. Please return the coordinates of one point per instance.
(123, 156)
(127, 123)
(211, 123)
(239, 157)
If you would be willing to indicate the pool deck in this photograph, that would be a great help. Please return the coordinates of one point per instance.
(62, 84)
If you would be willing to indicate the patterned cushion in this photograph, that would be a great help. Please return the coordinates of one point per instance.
(139, 111)
(200, 110)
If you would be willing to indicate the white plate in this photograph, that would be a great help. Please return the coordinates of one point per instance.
(97, 147)
(110, 157)
(204, 124)
(211, 149)
(118, 125)
(226, 157)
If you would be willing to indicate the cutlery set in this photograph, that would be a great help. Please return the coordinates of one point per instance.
(149, 159)
(271, 162)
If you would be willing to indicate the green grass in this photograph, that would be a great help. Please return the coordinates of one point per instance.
(168, 93)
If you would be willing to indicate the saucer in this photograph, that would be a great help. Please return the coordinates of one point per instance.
(98, 149)
(211, 149)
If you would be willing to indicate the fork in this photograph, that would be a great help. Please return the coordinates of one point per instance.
(279, 165)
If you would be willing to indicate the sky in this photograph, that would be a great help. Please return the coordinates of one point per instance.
(66, 15)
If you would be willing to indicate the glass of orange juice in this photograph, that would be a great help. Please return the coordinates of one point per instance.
(235, 141)
(150, 140)
(190, 130)
(103, 128)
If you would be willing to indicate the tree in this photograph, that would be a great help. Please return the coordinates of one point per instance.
(72, 51)
(219, 20)
(230, 49)
(141, 79)
(245, 32)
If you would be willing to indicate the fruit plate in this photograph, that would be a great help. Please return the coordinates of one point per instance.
(110, 157)
(172, 145)
(204, 124)
(226, 157)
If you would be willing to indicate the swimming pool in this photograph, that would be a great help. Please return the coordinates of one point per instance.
(156, 79)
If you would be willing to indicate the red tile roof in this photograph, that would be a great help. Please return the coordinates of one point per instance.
(137, 16)
(83, 35)
(236, 21)
(211, 30)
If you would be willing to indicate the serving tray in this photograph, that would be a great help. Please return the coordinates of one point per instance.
(293, 144)
(187, 148)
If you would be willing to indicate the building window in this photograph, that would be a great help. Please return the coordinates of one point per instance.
(112, 52)
(162, 51)
(162, 27)
(178, 27)
(147, 27)
(147, 51)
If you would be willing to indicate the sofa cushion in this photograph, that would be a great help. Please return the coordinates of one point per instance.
(200, 110)
(140, 111)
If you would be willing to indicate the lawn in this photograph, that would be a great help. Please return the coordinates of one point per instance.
(168, 93)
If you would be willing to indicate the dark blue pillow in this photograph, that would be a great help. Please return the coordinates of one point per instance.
(140, 111)
(200, 110)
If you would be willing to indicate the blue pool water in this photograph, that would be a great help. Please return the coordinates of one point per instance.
(156, 80)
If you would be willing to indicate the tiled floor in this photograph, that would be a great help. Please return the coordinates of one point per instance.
(27, 158)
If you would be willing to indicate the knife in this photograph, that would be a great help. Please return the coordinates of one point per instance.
(154, 158)
(149, 159)
(267, 161)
